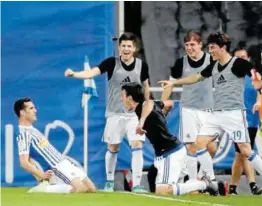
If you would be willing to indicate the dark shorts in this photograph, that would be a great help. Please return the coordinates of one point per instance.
(252, 135)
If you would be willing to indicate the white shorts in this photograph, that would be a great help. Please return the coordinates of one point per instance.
(67, 171)
(170, 166)
(118, 126)
(232, 122)
(191, 121)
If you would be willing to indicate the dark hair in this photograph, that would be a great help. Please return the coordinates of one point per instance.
(194, 35)
(19, 105)
(239, 48)
(255, 52)
(134, 90)
(128, 36)
(221, 39)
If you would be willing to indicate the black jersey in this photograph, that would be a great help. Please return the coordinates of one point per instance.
(156, 129)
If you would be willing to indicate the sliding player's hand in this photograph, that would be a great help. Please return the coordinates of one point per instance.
(69, 73)
(165, 83)
(139, 129)
(47, 175)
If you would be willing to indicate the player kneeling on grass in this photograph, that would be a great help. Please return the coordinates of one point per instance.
(170, 152)
(31, 141)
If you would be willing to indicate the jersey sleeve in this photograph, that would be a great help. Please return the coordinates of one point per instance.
(23, 142)
(144, 72)
(108, 66)
(177, 69)
(241, 68)
(207, 72)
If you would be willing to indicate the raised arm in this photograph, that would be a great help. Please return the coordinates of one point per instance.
(147, 89)
(168, 105)
(85, 74)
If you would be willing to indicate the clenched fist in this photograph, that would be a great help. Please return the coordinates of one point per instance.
(69, 72)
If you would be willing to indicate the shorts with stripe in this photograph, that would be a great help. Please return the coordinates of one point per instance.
(67, 171)
(170, 166)
(191, 121)
(232, 122)
(119, 126)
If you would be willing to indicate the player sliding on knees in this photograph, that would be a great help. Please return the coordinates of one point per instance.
(170, 152)
(31, 141)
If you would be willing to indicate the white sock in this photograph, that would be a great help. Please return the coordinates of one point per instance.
(137, 165)
(200, 172)
(206, 162)
(256, 162)
(184, 188)
(111, 158)
(192, 166)
(61, 188)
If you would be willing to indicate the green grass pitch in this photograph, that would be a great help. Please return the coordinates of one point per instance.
(19, 197)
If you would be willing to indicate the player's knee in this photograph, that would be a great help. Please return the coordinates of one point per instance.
(164, 190)
(81, 189)
(113, 147)
(92, 189)
(245, 149)
(191, 148)
(136, 144)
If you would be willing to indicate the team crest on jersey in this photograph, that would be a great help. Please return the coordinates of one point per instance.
(125, 81)
(221, 79)
(43, 143)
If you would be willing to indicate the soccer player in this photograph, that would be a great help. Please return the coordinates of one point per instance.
(170, 152)
(121, 70)
(196, 99)
(240, 163)
(229, 110)
(31, 141)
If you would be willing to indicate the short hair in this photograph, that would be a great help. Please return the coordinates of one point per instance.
(195, 35)
(221, 39)
(128, 36)
(239, 48)
(20, 105)
(135, 90)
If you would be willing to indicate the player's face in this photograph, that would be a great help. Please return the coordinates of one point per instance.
(29, 112)
(126, 100)
(193, 48)
(126, 50)
(215, 51)
(242, 54)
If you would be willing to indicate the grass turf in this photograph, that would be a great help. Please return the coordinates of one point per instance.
(19, 197)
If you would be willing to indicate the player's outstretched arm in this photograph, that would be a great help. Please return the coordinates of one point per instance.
(29, 167)
(191, 79)
(85, 74)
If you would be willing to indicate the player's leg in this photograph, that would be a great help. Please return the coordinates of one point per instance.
(237, 170)
(74, 176)
(208, 133)
(136, 142)
(169, 171)
(203, 155)
(252, 174)
(235, 124)
(189, 128)
(113, 135)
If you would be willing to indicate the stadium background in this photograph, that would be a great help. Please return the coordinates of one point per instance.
(40, 39)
